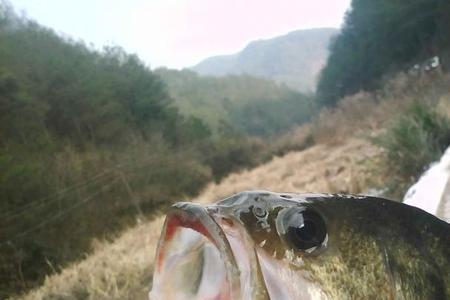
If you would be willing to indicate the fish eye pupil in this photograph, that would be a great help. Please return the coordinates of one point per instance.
(306, 230)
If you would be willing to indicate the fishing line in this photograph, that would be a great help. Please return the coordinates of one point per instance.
(60, 214)
(43, 203)
(11, 213)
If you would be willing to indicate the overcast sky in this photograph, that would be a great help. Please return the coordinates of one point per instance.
(180, 33)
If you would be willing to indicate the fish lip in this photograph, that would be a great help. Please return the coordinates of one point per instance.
(196, 217)
(211, 222)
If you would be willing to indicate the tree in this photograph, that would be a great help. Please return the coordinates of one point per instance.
(379, 38)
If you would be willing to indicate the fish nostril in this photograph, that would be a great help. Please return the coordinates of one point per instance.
(259, 212)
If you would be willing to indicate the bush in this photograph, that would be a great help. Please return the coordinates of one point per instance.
(412, 142)
(228, 154)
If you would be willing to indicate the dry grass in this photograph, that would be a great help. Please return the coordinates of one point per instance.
(339, 162)
(324, 168)
(296, 139)
(444, 105)
(118, 270)
(349, 118)
(364, 114)
(122, 269)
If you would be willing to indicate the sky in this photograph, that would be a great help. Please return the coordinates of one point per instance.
(180, 33)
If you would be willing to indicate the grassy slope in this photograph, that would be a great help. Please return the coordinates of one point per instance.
(122, 269)
(339, 162)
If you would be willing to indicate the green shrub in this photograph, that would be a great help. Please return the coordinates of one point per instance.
(412, 142)
(228, 154)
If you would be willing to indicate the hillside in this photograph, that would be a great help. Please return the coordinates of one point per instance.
(122, 269)
(294, 59)
(343, 160)
(249, 104)
(95, 145)
(89, 139)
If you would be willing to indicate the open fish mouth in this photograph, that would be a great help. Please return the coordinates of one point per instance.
(206, 253)
(194, 259)
(203, 255)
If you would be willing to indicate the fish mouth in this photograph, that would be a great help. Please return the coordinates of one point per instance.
(202, 255)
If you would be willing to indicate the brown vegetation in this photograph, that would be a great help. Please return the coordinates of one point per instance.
(341, 160)
(122, 269)
(364, 114)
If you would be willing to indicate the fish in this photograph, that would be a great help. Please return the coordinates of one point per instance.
(265, 245)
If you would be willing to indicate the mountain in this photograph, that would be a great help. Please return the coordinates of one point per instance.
(250, 104)
(294, 59)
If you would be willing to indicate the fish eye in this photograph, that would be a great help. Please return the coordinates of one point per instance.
(302, 228)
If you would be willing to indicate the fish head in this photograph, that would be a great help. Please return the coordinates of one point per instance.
(263, 245)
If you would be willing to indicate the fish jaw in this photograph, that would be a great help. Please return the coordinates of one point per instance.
(194, 259)
(204, 254)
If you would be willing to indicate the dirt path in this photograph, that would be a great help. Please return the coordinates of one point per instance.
(122, 269)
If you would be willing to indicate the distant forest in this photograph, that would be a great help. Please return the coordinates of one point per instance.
(253, 106)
